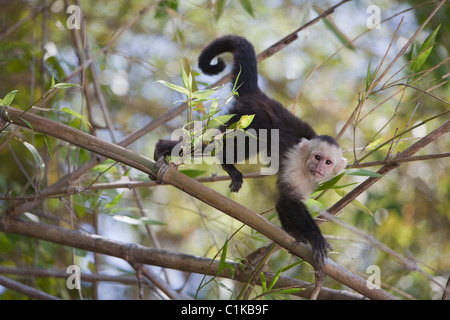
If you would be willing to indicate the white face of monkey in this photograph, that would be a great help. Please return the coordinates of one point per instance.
(310, 162)
(323, 160)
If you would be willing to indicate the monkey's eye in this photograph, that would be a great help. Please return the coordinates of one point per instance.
(328, 162)
(317, 157)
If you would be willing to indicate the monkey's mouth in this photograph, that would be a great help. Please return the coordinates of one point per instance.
(316, 174)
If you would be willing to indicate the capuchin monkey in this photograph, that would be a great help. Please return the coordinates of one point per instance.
(305, 157)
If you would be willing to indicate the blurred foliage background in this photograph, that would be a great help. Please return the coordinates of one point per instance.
(407, 210)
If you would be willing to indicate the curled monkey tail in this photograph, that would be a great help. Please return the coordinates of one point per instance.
(245, 63)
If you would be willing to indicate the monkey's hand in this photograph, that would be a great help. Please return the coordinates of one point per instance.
(320, 249)
(237, 179)
(163, 149)
(236, 182)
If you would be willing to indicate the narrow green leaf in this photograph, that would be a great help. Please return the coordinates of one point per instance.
(126, 219)
(363, 173)
(291, 265)
(263, 282)
(175, 87)
(76, 115)
(114, 201)
(202, 94)
(369, 75)
(290, 291)
(184, 76)
(219, 121)
(330, 183)
(223, 256)
(243, 122)
(192, 173)
(9, 98)
(428, 43)
(28, 123)
(246, 4)
(274, 280)
(37, 158)
(314, 205)
(133, 220)
(63, 85)
(355, 202)
(218, 9)
(375, 144)
(49, 147)
(329, 23)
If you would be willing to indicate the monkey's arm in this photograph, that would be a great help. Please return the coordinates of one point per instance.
(163, 149)
(296, 220)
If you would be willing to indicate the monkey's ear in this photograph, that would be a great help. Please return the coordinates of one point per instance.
(340, 165)
(304, 144)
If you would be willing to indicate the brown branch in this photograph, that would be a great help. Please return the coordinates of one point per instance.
(26, 290)
(140, 254)
(400, 160)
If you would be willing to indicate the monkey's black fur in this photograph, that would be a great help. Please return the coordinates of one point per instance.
(269, 114)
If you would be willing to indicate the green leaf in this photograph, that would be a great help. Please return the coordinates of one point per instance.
(376, 144)
(263, 282)
(37, 158)
(329, 23)
(9, 98)
(76, 115)
(219, 121)
(369, 75)
(243, 122)
(428, 43)
(175, 87)
(203, 94)
(114, 201)
(355, 202)
(290, 291)
(133, 220)
(222, 264)
(218, 9)
(363, 173)
(28, 123)
(330, 183)
(314, 205)
(192, 173)
(246, 4)
(63, 85)
(187, 84)
(281, 270)
(49, 148)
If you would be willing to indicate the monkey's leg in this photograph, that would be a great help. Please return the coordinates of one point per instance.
(296, 220)
(236, 177)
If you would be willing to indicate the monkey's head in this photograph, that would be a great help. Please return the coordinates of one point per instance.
(323, 157)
